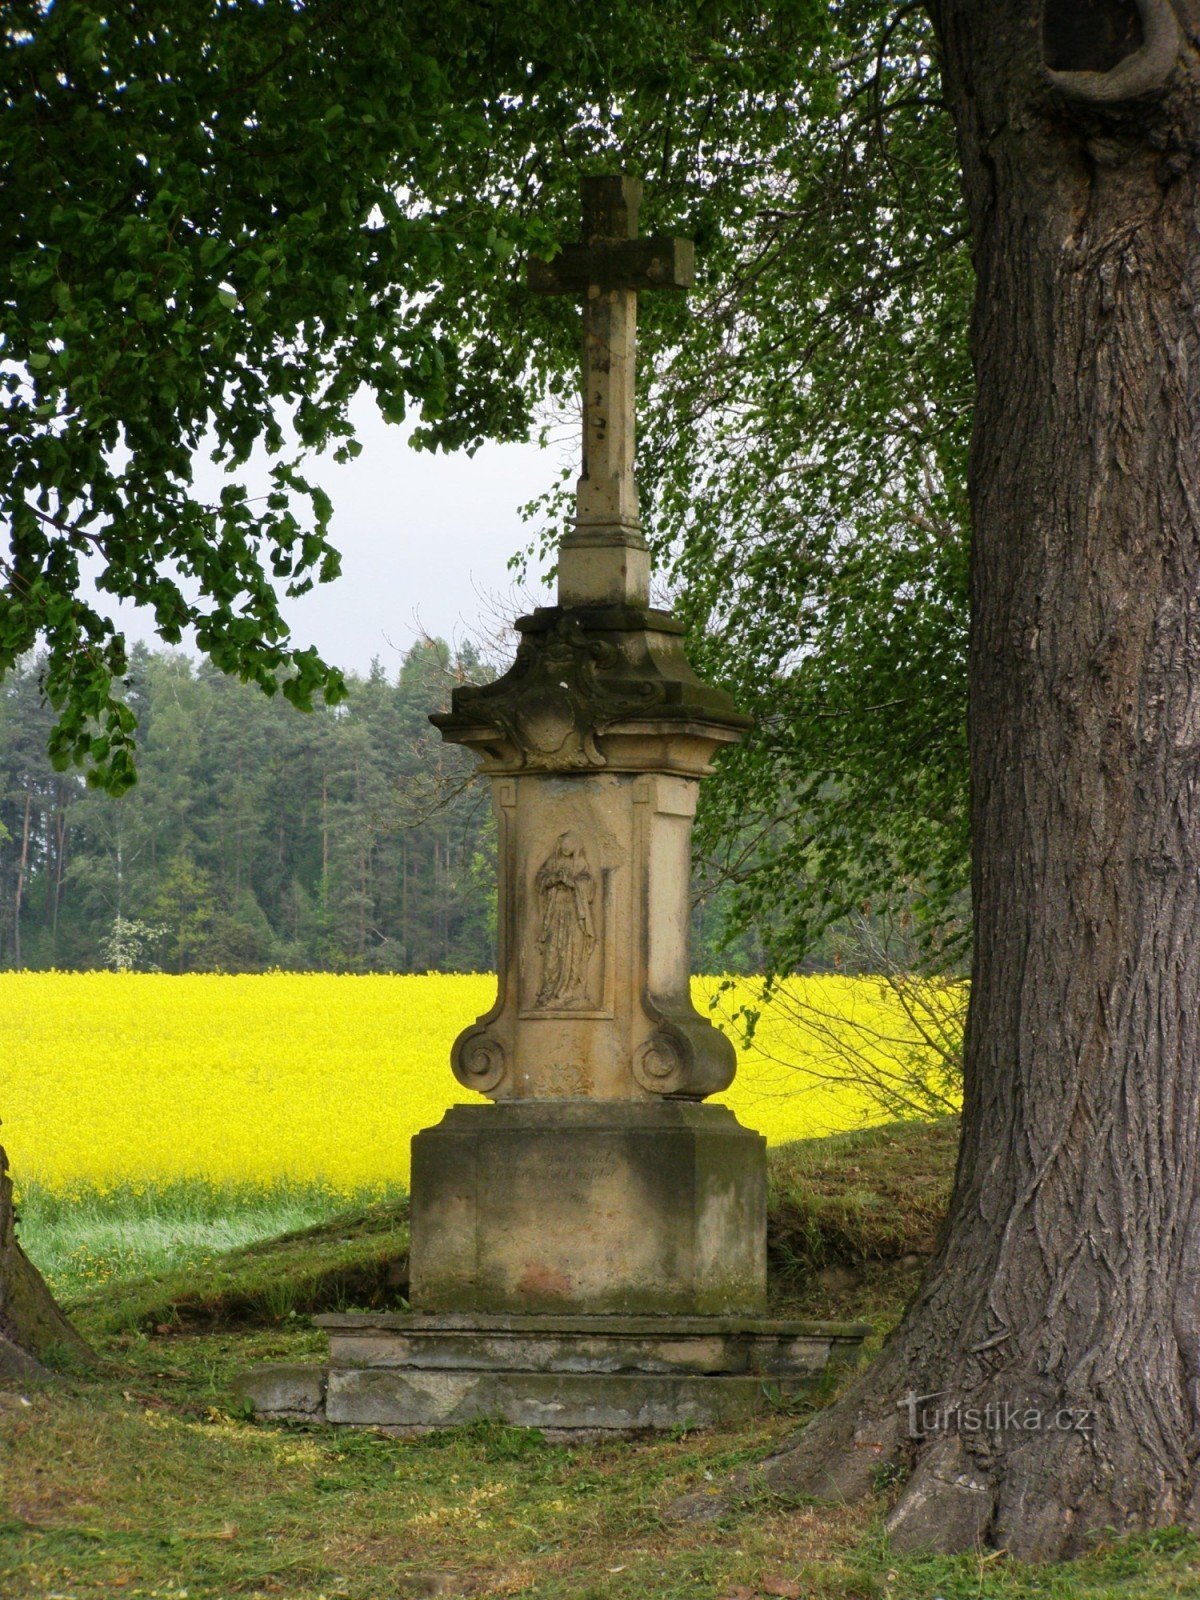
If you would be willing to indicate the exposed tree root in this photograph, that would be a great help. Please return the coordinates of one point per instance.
(968, 1450)
(842, 1455)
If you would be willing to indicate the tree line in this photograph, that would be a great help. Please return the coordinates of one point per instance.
(349, 839)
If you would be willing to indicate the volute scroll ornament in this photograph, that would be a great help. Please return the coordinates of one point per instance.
(660, 1065)
(685, 1058)
(477, 1060)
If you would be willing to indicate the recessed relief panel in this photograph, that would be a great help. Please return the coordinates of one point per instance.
(568, 914)
(566, 935)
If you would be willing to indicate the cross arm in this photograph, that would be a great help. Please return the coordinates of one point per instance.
(655, 263)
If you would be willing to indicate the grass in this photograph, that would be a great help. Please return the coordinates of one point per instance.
(145, 1482)
(871, 1195)
(355, 1259)
(151, 1489)
(189, 1238)
(853, 1218)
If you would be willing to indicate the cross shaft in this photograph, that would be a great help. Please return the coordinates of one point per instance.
(604, 559)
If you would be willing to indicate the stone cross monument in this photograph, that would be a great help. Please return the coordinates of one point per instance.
(601, 1182)
(588, 1250)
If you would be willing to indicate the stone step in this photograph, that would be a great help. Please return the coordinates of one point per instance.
(558, 1344)
(417, 1398)
(562, 1374)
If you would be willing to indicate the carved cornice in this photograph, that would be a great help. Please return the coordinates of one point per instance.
(578, 674)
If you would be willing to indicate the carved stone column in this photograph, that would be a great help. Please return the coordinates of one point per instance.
(593, 1185)
(595, 743)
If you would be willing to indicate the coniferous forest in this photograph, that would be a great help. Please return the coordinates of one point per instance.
(350, 839)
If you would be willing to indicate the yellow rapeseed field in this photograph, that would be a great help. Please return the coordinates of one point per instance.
(109, 1078)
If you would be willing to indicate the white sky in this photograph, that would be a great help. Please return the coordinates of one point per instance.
(425, 542)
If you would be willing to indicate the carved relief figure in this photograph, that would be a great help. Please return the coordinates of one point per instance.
(567, 934)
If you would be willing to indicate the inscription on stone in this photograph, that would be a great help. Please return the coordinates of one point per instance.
(570, 1171)
(593, 1168)
(566, 891)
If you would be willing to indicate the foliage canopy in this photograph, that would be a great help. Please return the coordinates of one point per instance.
(226, 218)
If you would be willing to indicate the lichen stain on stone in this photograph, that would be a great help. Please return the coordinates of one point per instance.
(539, 1279)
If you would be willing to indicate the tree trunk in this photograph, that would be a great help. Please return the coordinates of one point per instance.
(60, 863)
(324, 838)
(56, 841)
(34, 1334)
(1059, 1324)
(404, 904)
(22, 869)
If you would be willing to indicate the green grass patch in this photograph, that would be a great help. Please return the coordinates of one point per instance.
(106, 1252)
(877, 1194)
(355, 1260)
(853, 1219)
(145, 1480)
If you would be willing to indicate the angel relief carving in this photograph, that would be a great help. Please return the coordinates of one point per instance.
(566, 891)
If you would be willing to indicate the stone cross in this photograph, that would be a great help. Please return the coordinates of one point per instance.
(597, 1182)
(588, 1251)
(604, 560)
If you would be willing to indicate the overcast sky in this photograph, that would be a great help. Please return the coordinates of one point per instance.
(425, 542)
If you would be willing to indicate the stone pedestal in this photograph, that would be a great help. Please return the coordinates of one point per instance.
(589, 1251)
(589, 1207)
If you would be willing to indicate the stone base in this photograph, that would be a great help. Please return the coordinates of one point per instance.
(589, 1208)
(562, 1374)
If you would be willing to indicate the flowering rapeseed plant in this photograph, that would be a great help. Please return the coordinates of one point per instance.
(120, 1078)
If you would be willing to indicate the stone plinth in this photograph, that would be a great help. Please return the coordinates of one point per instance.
(589, 1207)
(569, 1374)
(595, 743)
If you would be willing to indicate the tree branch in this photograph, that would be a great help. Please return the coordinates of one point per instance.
(1145, 71)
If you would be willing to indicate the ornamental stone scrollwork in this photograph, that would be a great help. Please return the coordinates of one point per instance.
(477, 1061)
(660, 1065)
(565, 687)
(685, 1058)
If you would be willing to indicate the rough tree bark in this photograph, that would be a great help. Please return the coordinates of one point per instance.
(1067, 1286)
(33, 1331)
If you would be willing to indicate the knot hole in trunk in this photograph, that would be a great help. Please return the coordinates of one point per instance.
(1090, 35)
